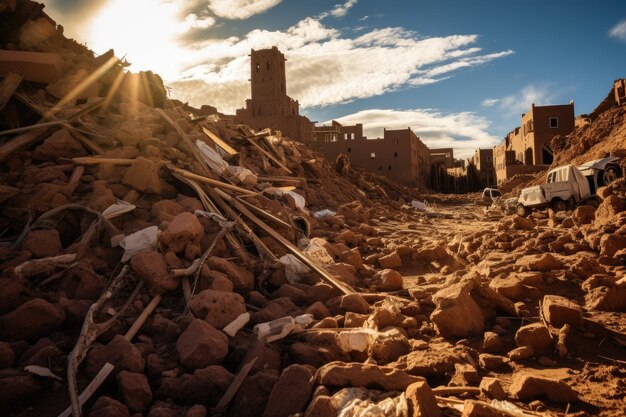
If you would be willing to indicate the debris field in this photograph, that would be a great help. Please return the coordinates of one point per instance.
(159, 260)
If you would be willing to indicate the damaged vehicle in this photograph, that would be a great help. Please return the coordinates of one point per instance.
(565, 187)
(601, 172)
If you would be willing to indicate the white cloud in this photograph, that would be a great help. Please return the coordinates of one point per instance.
(619, 31)
(240, 9)
(193, 21)
(488, 102)
(341, 10)
(326, 66)
(520, 102)
(463, 131)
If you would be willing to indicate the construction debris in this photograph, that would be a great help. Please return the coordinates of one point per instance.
(166, 265)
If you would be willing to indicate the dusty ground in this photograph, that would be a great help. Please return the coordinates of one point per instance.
(596, 364)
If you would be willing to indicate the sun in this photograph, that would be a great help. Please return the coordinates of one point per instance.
(145, 32)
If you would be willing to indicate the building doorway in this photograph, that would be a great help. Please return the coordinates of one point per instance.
(528, 156)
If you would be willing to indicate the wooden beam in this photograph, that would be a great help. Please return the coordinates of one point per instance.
(9, 84)
(205, 180)
(193, 149)
(269, 155)
(219, 142)
(35, 135)
(344, 288)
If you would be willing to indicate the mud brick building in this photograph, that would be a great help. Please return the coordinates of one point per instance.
(482, 162)
(526, 149)
(399, 154)
(269, 105)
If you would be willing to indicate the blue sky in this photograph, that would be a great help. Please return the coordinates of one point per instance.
(459, 72)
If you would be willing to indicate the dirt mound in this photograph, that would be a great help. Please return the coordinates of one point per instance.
(169, 262)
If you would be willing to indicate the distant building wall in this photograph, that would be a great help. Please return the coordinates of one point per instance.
(400, 154)
(529, 145)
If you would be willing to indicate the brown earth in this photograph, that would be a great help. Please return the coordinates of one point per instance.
(438, 312)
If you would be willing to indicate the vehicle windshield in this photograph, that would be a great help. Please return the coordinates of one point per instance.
(558, 175)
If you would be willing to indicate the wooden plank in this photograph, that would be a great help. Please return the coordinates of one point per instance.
(92, 160)
(269, 155)
(35, 135)
(9, 84)
(344, 288)
(205, 180)
(183, 135)
(219, 142)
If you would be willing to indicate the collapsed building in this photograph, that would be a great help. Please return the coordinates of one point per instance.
(153, 264)
(399, 154)
(269, 105)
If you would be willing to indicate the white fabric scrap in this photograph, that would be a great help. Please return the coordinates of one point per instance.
(139, 241)
(324, 213)
(418, 205)
(243, 175)
(212, 158)
(294, 268)
(299, 200)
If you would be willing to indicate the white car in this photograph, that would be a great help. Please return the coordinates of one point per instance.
(601, 172)
(565, 187)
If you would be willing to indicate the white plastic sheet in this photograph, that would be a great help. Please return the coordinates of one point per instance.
(324, 213)
(139, 241)
(418, 205)
(279, 328)
(294, 268)
(243, 175)
(299, 200)
(212, 158)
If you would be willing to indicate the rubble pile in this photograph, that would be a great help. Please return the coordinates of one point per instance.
(158, 260)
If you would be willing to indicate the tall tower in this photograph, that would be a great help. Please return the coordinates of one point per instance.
(268, 82)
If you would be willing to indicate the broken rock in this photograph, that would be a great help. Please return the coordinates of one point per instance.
(390, 261)
(134, 390)
(292, 392)
(31, 320)
(341, 374)
(559, 311)
(242, 279)
(535, 335)
(119, 352)
(527, 385)
(390, 280)
(421, 400)
(457, 314)
(201, 345)
(218, 308)
(143, 176)
(183, 230)
(151, 267)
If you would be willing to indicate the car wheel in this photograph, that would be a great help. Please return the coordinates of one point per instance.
(522, 211)
(610, 174)
(559, 205)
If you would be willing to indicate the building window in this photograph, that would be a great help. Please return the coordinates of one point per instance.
(389, 168)
(335, 137)
(395, 154)
(373, 156)
(258, 67)
(327, 137)
(380, 167)
(395, 141)
(349, 150)
(554, 122)
(268, 65)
